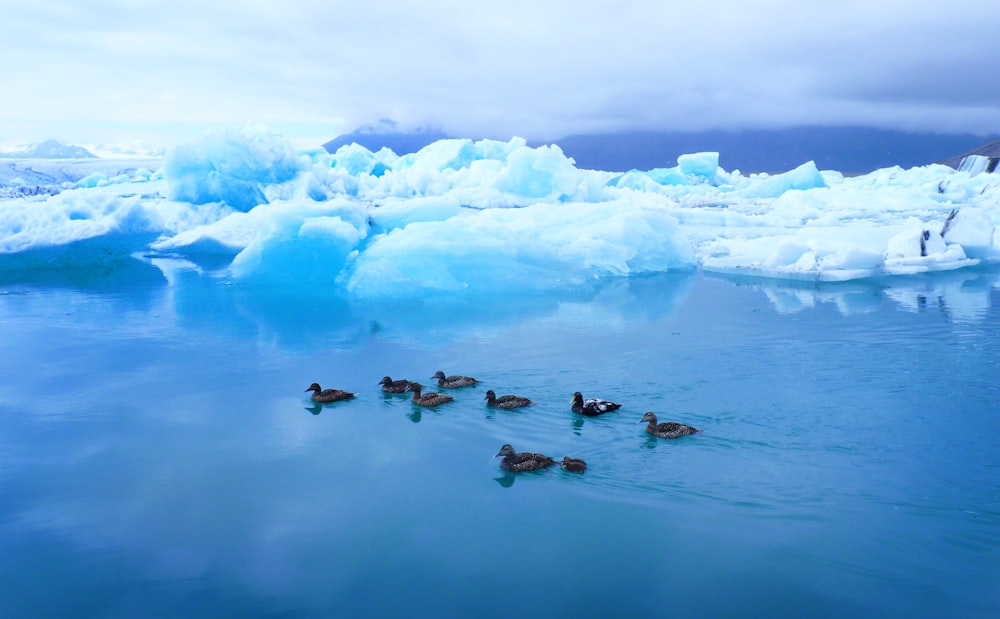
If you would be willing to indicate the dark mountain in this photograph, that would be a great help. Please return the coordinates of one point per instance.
(852, 150)
(49, 149)
(385, 133)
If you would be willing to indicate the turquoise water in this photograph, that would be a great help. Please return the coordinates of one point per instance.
(160, 458)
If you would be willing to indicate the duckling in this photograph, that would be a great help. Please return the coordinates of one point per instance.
(394, 386)
(427, 399)
(574, 465)
(592, 407)
(328, 395)
(667, 429)
(453, 382)
(524, 461)
(505, 401)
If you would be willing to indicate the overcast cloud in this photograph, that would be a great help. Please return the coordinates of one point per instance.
(107, 70)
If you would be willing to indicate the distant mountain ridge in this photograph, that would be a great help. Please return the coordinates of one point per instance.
(385, 133)
(852, 150)
(49, 149)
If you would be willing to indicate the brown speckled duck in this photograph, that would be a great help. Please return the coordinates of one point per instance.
(592, 407)
(328, 395)
(524, 461)
(394, 386)
(574, 465)
(453, 382)
(430, 399)
(667, 429)
(505, 401)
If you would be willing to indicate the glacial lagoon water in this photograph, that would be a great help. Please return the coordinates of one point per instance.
(159, 456)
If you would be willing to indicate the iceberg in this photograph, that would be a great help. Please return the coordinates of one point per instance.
(229, 167)
(74, 229)
(488, 217)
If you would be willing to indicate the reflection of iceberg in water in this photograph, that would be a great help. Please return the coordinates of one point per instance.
(119, 276)
(323, 318)
(790, 297)
(850, 299)
(963, 295)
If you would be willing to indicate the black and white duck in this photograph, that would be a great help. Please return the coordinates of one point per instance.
(592, 406)
(505, 401)
(574, 465)
(667, 429)
(427, 399)
(524, 461)
(394, 386)
(453, 382)
(328, 395)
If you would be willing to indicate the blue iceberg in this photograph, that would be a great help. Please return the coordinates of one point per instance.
(487, 217)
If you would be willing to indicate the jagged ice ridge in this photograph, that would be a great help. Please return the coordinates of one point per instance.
(469, 217)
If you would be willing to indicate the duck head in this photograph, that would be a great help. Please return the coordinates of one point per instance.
(439, 375)
(385, 381)
(490, 395)
(314, 387)
(506, 450)
(648, 417)
(577, 398)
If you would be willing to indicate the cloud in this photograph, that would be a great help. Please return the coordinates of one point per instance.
(540, 70)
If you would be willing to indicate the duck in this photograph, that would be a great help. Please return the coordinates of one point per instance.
(328, 395)
(667, 429)
(505, 401)
(427, 399)
(574, 465)
(453, 382)
(592, 407)
(394, 386)
(524, 461)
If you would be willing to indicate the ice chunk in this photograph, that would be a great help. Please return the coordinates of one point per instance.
(230, 167)
(74, 230)
(543, 172)
(520, 251)
(918, 250)
(397, 212)
(95, 179)
(669, 176)
(228, 236)
(977, 164)
(356, 160)
(650, 181)
(972, 229)
(301, 242)
(705, 165)
(806, 176)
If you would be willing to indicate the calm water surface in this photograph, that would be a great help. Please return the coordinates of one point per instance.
(159, 457)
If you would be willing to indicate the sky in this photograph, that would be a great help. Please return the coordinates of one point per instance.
(162, 73)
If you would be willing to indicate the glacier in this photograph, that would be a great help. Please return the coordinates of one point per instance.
(464, 217)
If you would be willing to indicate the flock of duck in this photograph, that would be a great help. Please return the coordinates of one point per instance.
(513, 461)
